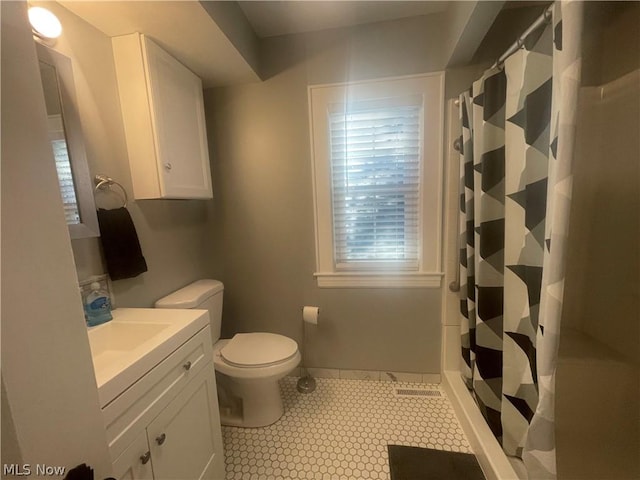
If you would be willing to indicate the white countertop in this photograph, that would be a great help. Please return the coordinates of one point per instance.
(135, 341)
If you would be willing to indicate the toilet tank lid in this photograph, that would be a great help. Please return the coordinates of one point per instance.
(192, 295)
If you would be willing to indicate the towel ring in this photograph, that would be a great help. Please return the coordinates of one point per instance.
(103, 182)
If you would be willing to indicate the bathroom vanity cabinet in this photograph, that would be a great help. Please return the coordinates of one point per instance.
(163, 115)
(167, 425)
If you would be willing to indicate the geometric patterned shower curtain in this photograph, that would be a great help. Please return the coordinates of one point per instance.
(515, 189)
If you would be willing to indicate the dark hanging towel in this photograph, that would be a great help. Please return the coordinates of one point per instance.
(120, 243)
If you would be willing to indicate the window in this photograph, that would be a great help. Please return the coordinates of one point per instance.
(63, 167)
(377, 163)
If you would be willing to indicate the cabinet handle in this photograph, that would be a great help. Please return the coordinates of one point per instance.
(187, 366)
(145, 458)
(161, 438)
(167, 166)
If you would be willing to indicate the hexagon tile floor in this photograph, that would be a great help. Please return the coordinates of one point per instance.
(341, 432)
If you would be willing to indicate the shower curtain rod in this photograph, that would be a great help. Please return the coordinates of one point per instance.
(540, 21)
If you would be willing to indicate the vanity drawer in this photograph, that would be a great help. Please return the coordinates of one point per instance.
(131, 411)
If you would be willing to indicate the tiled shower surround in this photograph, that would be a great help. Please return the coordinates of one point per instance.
(341, 432)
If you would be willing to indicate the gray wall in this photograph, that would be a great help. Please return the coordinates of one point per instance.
(508, 25)
(467, 24)
(263, 242)
(9, 447)
(172, 232)
(49, 389)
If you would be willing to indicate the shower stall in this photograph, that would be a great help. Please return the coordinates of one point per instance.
(597, 387)
(598, 376)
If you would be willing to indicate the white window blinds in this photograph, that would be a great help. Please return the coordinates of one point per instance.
(63, 167)
(375, 179)
(65, 179)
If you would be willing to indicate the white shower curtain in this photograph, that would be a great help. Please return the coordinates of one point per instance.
(518, 135)
(539, 452)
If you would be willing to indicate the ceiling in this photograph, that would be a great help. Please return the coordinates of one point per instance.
(183, 28)
(210, 38)
(273, 18)
(188, 32)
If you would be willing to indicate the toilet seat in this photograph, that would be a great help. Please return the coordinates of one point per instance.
(275, 370)
(255, 350)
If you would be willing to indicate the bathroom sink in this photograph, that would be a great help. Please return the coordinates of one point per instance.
(135, 341)
(117, 337)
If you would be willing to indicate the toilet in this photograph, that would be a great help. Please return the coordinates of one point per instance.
(248, 366)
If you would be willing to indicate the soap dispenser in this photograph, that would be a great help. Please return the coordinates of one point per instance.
(97, 306)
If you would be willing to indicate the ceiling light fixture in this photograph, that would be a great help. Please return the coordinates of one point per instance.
(44, 23)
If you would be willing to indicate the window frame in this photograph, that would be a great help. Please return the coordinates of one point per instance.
(323, 98)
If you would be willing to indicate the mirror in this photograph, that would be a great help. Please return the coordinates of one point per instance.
(67, 142)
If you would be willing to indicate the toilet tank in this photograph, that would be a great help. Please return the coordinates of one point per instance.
(204, 294)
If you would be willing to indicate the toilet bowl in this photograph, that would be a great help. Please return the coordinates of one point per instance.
(248, 366)
(252, 375)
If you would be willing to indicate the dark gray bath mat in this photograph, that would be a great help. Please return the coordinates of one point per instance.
(415, 463)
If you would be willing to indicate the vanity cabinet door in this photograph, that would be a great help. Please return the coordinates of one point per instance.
(135, 462)
(185, 439)
(163, 115)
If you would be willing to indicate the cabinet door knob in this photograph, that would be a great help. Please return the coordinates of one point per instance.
(161, 438)
(187, 366)
(167, 166)
(145, 458)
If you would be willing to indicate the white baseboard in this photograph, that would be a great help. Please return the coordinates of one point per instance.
(377, 375)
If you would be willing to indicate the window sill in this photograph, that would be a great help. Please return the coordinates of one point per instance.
(378, 280)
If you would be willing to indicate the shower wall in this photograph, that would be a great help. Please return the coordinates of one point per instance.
(597, 384)
(598, 376)
(603, 263)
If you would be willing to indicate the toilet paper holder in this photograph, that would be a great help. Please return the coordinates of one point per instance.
(306, 383)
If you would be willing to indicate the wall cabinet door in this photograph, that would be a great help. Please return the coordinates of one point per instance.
(163, 116)
(183, 441)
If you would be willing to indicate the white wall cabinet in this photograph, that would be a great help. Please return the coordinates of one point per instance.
(163, 116)
(167, 425)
